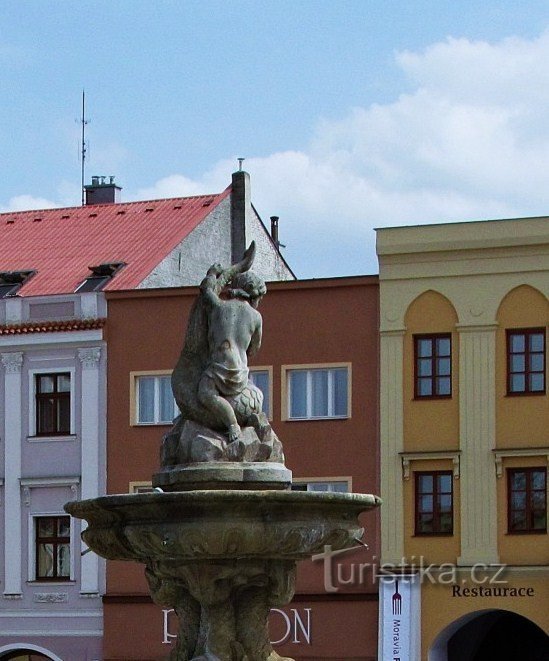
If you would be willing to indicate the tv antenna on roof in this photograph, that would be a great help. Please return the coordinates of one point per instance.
(84, 145)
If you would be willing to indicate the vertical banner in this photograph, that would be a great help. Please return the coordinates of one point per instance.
(400, 618)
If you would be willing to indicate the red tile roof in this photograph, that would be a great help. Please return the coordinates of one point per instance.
(60, 244)
(52, 326)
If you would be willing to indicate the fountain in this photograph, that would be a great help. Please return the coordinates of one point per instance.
(221, 535)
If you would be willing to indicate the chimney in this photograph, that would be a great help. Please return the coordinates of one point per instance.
(102, 190)
(241, 211)
(274, 230)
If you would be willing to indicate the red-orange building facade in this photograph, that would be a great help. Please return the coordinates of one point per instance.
(317, 331)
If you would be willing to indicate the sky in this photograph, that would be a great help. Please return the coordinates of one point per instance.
(351, 114)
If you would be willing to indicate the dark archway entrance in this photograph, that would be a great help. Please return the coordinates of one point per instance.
(498, 635)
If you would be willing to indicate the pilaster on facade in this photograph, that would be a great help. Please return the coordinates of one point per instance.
(12, 363)
(90, 444)
(392, 444)
(477, 385)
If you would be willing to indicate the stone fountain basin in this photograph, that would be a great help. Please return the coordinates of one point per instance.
(221, 525)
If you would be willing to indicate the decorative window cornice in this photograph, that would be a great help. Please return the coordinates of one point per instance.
(500, 454)
(408, 457)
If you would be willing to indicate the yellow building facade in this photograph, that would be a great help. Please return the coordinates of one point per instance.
(464, 318)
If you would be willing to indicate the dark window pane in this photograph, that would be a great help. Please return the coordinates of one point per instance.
(538, 479)
(260, 379)
(443, 386)
(443, 367)
(540, 520)
(320, 393)
(46, 527)
(537, 382)
(426, 503)
(443, 346)
(536, 342)
(445, 503)
(446, 522)
(518, 520)
(425, 387)
(425, 367)
(63, 383)
(518, 500)
(518, 480)
(518, 362)
(425, 523)
(340, 395)
(445, 483)
(424, 348)
(539, 500)
(146, 398)
(518, 383)
(536, 362)
(298, 394)
(46, 383)
(425, 483)
(518, 344)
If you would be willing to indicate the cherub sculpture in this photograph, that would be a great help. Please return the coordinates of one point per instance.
(211, 379)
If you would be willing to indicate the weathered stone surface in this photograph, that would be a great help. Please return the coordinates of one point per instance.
(221, 559)
(189, 443)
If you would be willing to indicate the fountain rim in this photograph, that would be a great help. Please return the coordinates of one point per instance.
(249, 496)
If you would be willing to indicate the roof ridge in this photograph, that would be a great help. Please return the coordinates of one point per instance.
(112, 204)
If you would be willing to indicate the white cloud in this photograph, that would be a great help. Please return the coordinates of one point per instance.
(26, 202)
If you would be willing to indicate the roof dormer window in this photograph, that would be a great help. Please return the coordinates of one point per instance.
(12, 281)
(99, 277)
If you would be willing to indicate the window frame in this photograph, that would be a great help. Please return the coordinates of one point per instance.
(269, 370)
(527, 332)
(33, 548)
(433, 337)
(309, 368)
(134, 398)
(436, 532)
(530, 530)
(307, 481)
(33, 408)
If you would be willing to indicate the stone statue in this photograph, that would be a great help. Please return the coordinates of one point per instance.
(221, 417)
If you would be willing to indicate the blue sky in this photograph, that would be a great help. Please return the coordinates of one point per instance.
(351, 114)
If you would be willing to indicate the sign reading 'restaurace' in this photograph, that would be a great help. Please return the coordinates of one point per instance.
(481, 591)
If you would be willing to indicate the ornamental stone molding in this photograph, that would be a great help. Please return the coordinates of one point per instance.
(12, 361)
(51, 597)
(89, 357)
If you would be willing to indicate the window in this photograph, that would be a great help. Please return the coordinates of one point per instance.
(527, 500)
(12, 281)
(526, 361)
(154, 398)
(434, 506)
(318, 393)
(433, 366)
(53, 404)
(53, 548)
(335, 486)
(141, 487)
(261, 378)
(101, 274)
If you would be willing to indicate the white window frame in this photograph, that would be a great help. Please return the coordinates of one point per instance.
(348, 481)
(134, 398)
(32, 578)
(309, 368)
(32, 403)
(269, 370)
